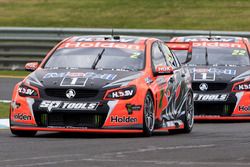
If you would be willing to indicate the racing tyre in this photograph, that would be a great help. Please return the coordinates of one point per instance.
(23, 133)
(148, 115)
(189, 116)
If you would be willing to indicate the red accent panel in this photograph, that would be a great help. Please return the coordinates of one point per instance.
(78, 130)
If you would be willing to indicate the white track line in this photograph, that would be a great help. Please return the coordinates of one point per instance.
(5, 101)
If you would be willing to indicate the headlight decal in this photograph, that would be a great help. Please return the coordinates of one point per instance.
(242, 86)
(27, 91)
(121, 93)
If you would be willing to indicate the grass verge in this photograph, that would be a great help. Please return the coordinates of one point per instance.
(4, 110)
(13, 73)
(158, 14)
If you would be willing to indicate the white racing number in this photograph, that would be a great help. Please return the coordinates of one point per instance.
(204, 76)
(68, 81)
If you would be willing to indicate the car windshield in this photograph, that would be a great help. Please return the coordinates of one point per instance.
(215, 56)
(111, 58)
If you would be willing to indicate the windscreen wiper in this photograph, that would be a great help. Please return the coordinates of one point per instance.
(97, 59)
(206, 56)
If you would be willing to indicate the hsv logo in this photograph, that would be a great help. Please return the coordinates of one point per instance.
(125, 93)
(203, 87)
(71, 93)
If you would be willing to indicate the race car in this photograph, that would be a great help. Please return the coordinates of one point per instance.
(220, 69)
(113, 84)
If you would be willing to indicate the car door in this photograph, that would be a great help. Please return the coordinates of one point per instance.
(179, 77)
(164, 86)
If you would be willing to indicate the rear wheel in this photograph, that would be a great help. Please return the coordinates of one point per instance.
(189, 116)
(23, 133)
(148, 115)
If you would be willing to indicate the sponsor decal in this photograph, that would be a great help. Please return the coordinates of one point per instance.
(22, 117)
(122, 93)
(203, 87)
(213, 70)
(89, 39)
(186, 39)
(218, 44)
(244, 108)
(101, 45)
(210, 97)
(242, 87)
(15, 105)
(89, 75)
(132, 107)
(60, 105)
(70, 93)
(123, 119)
(26, 91)
(148, 80)
(164, 69)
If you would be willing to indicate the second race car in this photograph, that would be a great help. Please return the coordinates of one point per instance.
(220, 69)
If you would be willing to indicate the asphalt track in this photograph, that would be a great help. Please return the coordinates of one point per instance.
(209, 145)
(6, 87)
(216, 145)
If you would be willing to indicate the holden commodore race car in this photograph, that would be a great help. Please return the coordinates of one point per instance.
(113, 84)
(220, 69)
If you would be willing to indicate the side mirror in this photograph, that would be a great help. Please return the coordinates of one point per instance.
(163, 70)
(32, 66)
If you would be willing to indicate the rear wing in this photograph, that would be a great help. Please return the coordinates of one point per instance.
(180, 46)
(175, 46)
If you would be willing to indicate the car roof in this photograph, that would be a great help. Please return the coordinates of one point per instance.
(201, 38)
(109, 38)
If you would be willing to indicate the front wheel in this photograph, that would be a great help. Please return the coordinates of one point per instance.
(148, 115)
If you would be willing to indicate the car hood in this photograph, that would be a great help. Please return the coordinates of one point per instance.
(87, 78)
(219, 73)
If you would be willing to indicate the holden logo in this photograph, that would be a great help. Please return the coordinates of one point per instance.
(203, 87)
(70, 93)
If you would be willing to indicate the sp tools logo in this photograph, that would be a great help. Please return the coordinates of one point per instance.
(67, 106)
(70, 93)
(203, 87)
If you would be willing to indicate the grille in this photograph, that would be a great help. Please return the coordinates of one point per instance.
(80, 93)
(214, 109)
(72, 120)
(211, 86)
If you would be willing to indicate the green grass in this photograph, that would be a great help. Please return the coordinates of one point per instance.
(153, 14)
(13, 73)
(4, 110)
